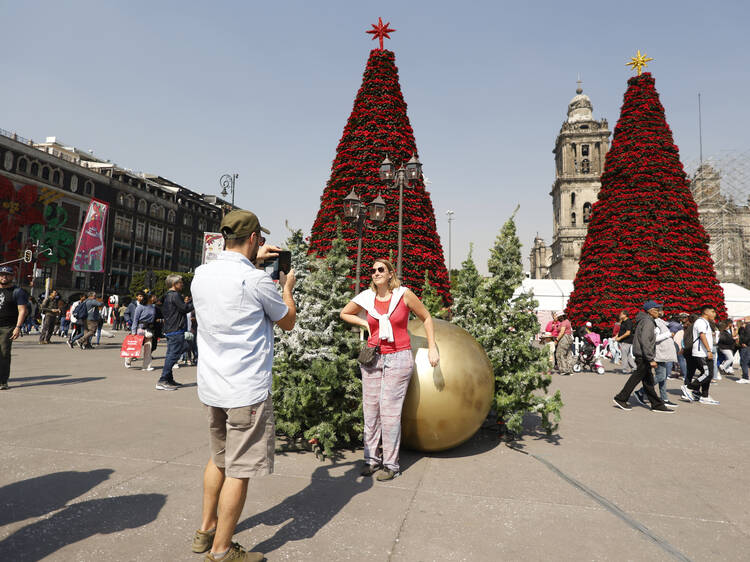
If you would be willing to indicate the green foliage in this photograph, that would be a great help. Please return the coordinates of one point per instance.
(138, 282)
(505, 327)
(430, 297)
(317, 391)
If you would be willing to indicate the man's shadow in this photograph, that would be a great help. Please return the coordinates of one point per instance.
(37, 497)
(307, 511)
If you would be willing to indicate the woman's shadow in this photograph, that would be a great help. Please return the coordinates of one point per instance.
(307, 511)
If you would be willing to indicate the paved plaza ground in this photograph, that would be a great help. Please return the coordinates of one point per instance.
(98, 465)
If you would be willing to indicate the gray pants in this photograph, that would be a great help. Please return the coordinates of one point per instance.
(628, 362)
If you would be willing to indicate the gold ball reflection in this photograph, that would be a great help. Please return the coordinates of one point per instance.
(446, 405)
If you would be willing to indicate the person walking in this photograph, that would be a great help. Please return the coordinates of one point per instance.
(625, 340)
(130, 311)
(77, 323)
(174, 308)
(553, 329)
(727, 347)
(564, 344)
(90, 316)
(13, 309)
(237, 305)
(385, 380)
(665, 357)
(143, 325)
(51, 309)
(696, 389)
(644, 349)
(743, 342)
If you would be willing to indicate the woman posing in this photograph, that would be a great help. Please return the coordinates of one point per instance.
(385, 380)
(143, 325)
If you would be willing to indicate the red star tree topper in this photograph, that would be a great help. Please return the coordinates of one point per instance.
(644, 240)
(380, 31)
(379, 126)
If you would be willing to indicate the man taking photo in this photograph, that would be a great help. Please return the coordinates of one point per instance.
(237, 305)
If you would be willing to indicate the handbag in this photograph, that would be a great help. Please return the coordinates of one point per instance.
(368, 356)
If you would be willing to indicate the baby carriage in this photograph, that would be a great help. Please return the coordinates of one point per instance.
(588, 355)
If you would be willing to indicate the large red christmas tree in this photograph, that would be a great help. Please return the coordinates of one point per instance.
(644, 239)
(378, 127)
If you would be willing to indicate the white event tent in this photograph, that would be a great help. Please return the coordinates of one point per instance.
(552, 295)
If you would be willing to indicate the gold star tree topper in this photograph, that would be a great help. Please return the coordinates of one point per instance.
(639, 61)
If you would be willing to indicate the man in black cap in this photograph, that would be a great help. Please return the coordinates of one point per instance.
(13, 301)
(644, 349)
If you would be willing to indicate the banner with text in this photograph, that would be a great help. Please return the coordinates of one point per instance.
(90, 249)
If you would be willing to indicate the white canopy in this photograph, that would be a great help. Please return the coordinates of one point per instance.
(552, 295)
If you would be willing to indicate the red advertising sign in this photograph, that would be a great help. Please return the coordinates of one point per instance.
(90, 249)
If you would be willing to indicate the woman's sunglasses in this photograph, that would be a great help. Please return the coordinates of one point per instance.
(380, 269)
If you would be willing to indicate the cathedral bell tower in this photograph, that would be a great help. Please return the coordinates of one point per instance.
(580, 150)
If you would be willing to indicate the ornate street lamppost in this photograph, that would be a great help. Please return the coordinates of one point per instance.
(227, 182)
(354, 210)
(412, 171)
(450, 233)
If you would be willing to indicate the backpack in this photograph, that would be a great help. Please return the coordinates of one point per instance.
(81, 313)
(688, 341)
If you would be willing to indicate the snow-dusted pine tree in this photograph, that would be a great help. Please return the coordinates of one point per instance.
(430, 297)
(505, 327)
(317, 392)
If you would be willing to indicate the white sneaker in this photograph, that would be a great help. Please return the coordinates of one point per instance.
(717, 377)
(742, 381)
(176, 366)
(708, 400)
(148, 369)
(128, 365)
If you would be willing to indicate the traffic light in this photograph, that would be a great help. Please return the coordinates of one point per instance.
(28, 256)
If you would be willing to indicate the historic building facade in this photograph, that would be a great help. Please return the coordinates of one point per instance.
(45, 190)
(580, 150)
(727, 223)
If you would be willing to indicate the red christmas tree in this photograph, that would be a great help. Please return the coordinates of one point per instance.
(644, 239)
(378, 127)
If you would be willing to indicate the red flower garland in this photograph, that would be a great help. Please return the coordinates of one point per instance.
(644, 239)
(379, 126)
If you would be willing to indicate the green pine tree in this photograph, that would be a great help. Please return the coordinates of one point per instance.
(466, 284)
(317, 392)
(505, 327)
(430, 297)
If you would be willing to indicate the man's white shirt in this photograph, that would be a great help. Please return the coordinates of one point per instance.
(236, 306)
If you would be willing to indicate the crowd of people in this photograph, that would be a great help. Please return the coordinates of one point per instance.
(695, 348)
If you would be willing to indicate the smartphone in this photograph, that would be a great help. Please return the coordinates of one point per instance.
(281, 263)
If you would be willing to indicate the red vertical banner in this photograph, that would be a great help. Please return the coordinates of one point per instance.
(90, 249)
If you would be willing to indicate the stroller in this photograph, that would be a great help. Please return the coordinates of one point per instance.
(588, 355)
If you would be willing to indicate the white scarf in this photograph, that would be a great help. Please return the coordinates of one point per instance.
(366, 300)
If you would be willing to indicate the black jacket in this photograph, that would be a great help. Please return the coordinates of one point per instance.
(644, 342)
(174, 308)
(726, 340)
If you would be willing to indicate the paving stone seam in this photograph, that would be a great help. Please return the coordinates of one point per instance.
(612, 508)
(395, 543)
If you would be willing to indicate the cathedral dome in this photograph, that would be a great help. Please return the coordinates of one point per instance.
(580, 108)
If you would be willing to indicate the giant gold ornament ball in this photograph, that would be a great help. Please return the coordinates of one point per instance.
(447, 404)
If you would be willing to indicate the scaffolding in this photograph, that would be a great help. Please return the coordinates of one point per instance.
(721, 188)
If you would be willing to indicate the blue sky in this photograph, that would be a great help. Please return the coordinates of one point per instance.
(191, 90)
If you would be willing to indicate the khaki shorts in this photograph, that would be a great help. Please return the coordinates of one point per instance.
(242, 440)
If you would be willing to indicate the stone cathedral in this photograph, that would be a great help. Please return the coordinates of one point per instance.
(580, 149)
